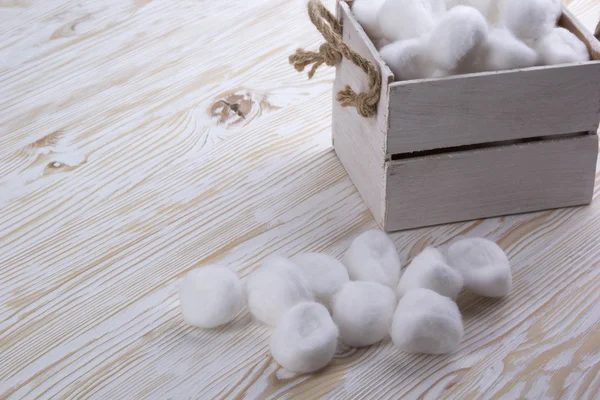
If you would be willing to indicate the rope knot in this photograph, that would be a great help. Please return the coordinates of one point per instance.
(330, 54)
(366, 105)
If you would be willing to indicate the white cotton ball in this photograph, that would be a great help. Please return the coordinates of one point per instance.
(363, 312)
(305, 339)
(504, 51)
(530, 19)
(560, 47)
(381, 43)
(372, 256)
(325, 274)
(275, 288)
(485, 7)
(365, 12)
(406, 19)
(429, 270)
(426, 322)
(210, 296)
(408, 59)
(457, 38)
(483, 266)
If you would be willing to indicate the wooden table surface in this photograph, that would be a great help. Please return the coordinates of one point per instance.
(123, 165)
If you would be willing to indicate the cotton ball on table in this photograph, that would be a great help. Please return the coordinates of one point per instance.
(407, 59)
(483, 266)
(372, 256)
(305, 339)
(429, 270)
(365, 12)
(325, 274)
(210, 296)
(504, 51)
(275, 288)
(406, 19)
(560, 47)
(457, 39)
(363, 312)
(530, 19)
(426, 322)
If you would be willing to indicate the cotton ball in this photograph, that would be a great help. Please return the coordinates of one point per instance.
(429, 270)
(275, 288)
(407, 59)
(381, 43)
(483, 266)
(457, 38)
(531, 19)
(210, 296)
(485, 7)
(504, 51)
(365, 12)
(560, 47)
(363, 312)
(426, 322)
(406, 19)
(325, 274)
(305, 338)
(372, 256)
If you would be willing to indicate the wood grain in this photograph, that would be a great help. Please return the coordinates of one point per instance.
(123, 165)
(360, 142)
(501, 180)
(493, 106)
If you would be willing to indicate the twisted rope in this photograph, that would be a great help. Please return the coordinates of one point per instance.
(331, 53)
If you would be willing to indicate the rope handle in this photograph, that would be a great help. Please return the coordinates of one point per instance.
(331, 53)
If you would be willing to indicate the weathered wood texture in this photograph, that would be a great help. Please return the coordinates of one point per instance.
(122, 166)
(360, 142)
(497, 106)
(487, 182)
(494, 106)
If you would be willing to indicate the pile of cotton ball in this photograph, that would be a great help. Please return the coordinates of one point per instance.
(436, 38)
(312, 299)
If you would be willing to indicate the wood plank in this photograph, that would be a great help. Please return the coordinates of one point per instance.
(121, 169)
(494, 106)
(360, 142)
(472, 184)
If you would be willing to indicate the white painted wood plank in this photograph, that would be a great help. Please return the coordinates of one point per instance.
(502, 180)
(495, 106)
(360, 142)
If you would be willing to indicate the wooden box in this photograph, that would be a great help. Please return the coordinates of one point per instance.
(469, 146)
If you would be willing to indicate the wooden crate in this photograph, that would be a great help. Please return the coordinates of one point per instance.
(469, 146)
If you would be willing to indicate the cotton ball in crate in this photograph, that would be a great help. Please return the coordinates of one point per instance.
(530, 19)
(483, 266)
(429, 270)
(457, 39)
(365, 12)
(372, 256)
(485, 7)
(504, 51)
(426, 322)
(210, 296)
(406, 19)
(363, 312)
(275, 288)
(560, 47)
(408, 59)
(305, 338)
(325, 274)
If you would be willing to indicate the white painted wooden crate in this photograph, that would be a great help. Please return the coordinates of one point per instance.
(469, 146)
